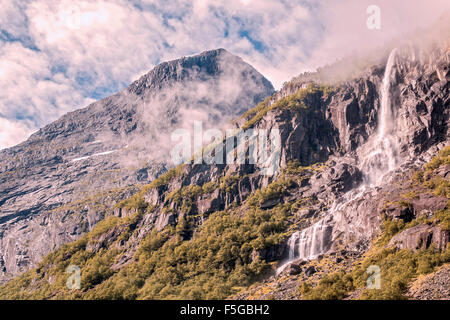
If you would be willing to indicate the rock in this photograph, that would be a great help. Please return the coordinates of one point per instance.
(444, 171)
(429, 202)
(123, 212)
(306, 213)
(293, 269)
(165, 219)
(434, 286)
(396, 211)
(105, 239)
(270, 203)
(154, 196)
(310, 271)
(425, 213)
(421, 237)
(39, 176)
(270, 253)
(210, 203)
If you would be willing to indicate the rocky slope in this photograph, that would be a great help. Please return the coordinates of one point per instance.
(433, 286)
(61, 181)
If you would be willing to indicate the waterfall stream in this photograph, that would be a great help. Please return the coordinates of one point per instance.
(380, 156)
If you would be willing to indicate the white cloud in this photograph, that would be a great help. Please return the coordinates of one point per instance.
(32, 92)
(12, 133)
(86, 47)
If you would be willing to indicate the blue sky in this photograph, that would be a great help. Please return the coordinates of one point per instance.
(57, 56)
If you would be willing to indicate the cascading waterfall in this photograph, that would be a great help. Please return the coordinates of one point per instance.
(310, 242)
(380, 156)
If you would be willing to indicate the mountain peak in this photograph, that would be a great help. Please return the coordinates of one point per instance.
(204, 66)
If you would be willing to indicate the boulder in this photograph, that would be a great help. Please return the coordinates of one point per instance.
(310, 271)
(396, 211)
(293, 269)
(270, 203)
(444, 171)
(165, 219)
(210, 203)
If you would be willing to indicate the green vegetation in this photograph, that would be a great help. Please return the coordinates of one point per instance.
(221, 256)
(275, 190)
(334, 286)
(431, 181)
(295, 168)
(296, 101)
(218, 258)
(443, 158)
(166, 177)
(229, 183)
(398, 269)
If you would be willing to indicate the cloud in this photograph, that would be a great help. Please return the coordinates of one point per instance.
(57, 56)
(12, 133)
(32, 94)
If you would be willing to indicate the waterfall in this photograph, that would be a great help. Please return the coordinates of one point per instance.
(310, 242)
(386, 116)
(380, 156)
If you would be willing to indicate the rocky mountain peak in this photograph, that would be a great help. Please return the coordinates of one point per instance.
(205, 66)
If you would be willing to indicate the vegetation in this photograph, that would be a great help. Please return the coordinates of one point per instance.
(219, 257)
(296, 101)
(225, 253)
(274, 190)
(334, 286)
(295, 168)
(431, 181)
(398, 269)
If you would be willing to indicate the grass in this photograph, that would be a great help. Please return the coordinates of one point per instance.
(297, 101)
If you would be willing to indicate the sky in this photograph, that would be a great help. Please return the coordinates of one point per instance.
(57, 56)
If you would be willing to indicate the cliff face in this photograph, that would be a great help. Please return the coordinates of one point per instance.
(61, 181)
(337, 128)
(350, 153)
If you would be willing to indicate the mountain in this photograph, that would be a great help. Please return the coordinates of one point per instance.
(65, 178)
(362, 191)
